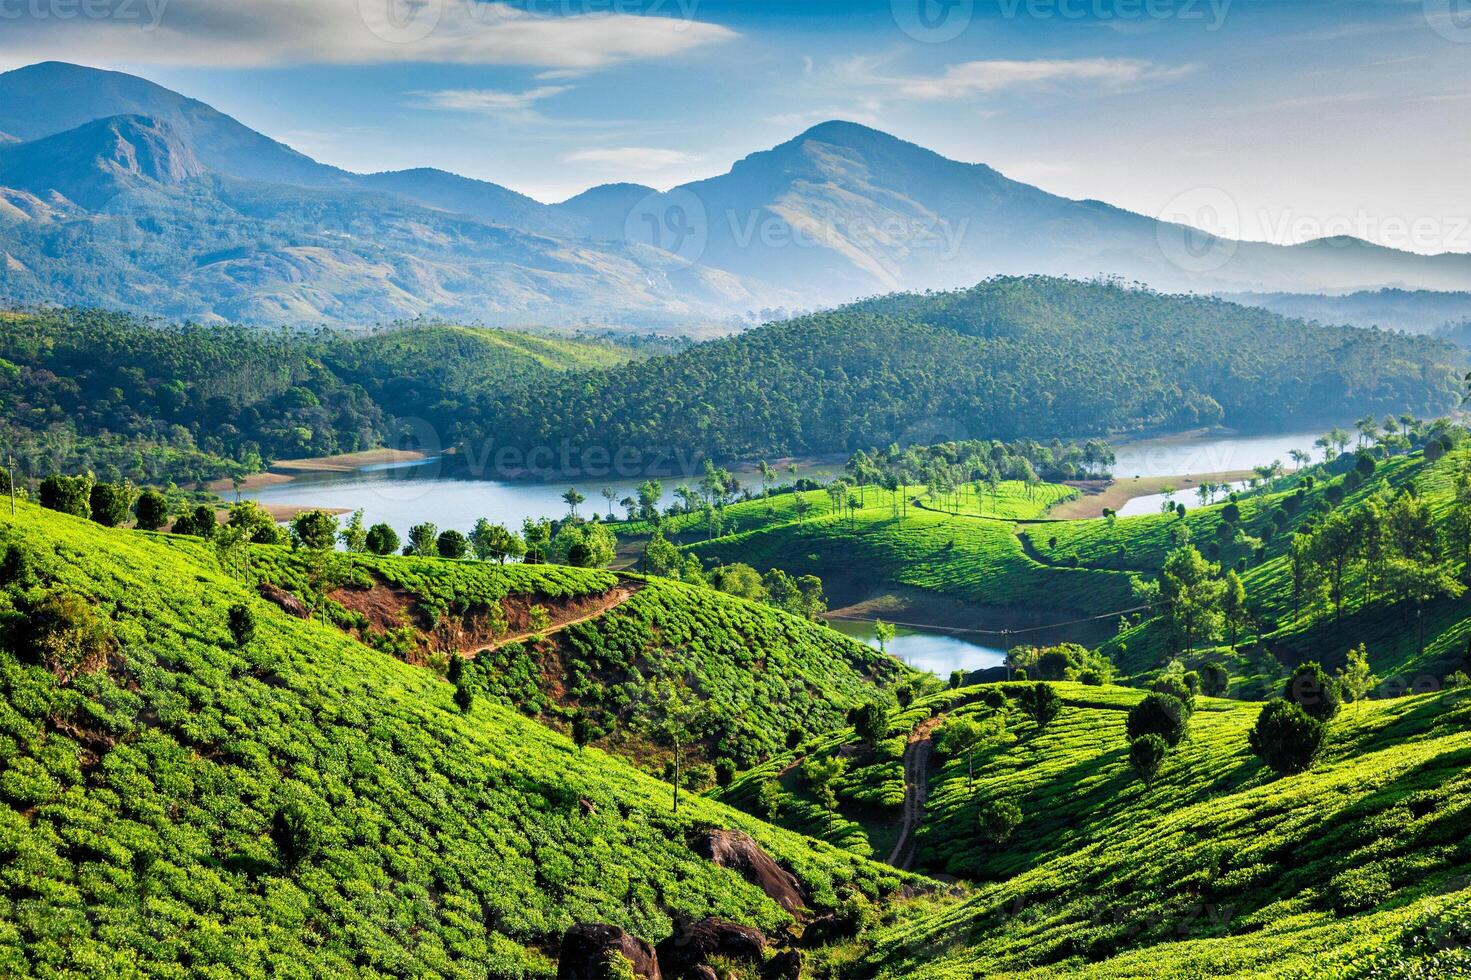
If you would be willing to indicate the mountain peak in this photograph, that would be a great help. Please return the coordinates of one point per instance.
(98, 160)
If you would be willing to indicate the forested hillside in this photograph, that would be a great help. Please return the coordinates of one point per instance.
(131, 398)
(1008, 358)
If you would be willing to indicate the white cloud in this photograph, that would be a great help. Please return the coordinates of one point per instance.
(489, 102)
(638, 159)
(229, 33)
(979, 78)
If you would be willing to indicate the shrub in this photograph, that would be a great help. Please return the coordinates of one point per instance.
(200, 522)
(1174, 686)
(1215, 680)
(870, 722)
(998, 820)
(68, 636)
(296, 832)
(1157, 714)
(152, 510)
(1040, 703)
(1311, 689)
(242, 624)
(1146, 754)
(452, 544)
(1286, 737)
(382, 539)
(314, 530)
(111, 503)
(1359, 889)
(68, 494)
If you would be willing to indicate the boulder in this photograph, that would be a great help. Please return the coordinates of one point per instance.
(694, 943)
(288, 602)
(783, 966)
(587, 946)
(740, 853)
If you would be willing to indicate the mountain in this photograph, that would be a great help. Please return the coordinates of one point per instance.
(463, 195)
(94, 163)
(840, 211)
(1413, 311)
(602, 211)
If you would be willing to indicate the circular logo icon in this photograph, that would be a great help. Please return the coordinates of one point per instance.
(673, 222)
(1198, 230)
(1451, 19)
(401, 21)
(933, 21)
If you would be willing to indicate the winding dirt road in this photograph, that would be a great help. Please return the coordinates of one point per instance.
(916, 791)
(614, 598)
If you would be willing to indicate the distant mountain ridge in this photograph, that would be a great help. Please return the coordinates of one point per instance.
(240, 225)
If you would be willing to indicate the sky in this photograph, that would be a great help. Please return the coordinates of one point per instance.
(1274, 120)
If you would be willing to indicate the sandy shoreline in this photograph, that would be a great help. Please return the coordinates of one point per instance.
(1119, 492)
(286, 470)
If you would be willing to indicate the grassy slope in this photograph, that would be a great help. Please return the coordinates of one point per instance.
(966, 557)
(761, 672)
(138, 799)
(1238, 871)
(1390, 634)
(478, 357)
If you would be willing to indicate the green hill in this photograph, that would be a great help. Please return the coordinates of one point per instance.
(177, 803)
(1221, 869)
(1010, 357)
(760, 674)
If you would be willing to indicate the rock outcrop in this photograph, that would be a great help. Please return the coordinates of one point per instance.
(587, 947)
(738, 851)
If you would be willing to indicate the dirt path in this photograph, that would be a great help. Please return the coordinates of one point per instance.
(614, 598)
(1116, 493)
(916, 791)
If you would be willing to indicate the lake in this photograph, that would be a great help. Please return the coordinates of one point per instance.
(404, 494)
(935, 651)
(1210, 453)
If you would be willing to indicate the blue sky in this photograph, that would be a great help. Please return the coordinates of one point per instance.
(1310, 116)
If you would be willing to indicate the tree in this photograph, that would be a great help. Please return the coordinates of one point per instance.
(68, 494)
(296, 832)
(539, 620)
(382, 539)
(883, 632)
(610, 495)
(870, 721)
(111, 503)
(353, 537)
(1307, 576)
(495, 541)
(1355, 679)
(572, 499)
(1040, 703)
(314, 530)
(676, 718)
(241, 620)
(255, 523)
(1286, 737)
(998, 820)
(649, 494)
(820, 774)
(152, 510)
(961, 736)
(1233, 606)
(451, 544)
(583, 729)
(1157, 714)
(738, 579)
(199, 522)
(1311, 689)
(1146, 754)
(423, 540)
(1190, 586)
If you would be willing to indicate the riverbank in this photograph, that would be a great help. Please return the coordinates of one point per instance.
(286, 470)
(1096, 495)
